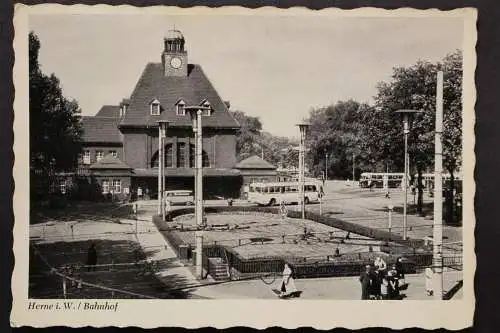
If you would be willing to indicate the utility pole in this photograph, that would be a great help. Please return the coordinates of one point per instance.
(438, 193)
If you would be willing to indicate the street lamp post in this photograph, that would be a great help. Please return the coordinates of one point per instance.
(162, 133)
(437, 234)
(326, 165)
(303, 129)
(353, 168)
(406, 130)
(196, 112)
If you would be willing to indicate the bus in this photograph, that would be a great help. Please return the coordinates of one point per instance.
(428, 182)
(273, 193)
(381, 179)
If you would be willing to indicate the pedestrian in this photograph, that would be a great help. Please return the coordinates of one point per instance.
(380, 265)
(384, 288)
(370, 185)
(92, 257)
(393, 284)
(288, 282)
(400, 270)
(366, 282)
(139, 193)
(428, 281)
(168, 209)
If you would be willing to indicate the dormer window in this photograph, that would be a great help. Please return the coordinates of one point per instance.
(181, 108)
(207, 111)
(155, 107)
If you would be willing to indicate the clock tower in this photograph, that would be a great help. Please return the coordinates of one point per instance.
(174, 58)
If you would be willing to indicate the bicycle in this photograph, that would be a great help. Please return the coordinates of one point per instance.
(269, 278)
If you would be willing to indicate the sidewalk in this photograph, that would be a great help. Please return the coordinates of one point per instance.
(344, 288)
(173, 273)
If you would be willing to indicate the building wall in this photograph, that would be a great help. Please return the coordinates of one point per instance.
(219, 145)
(135, 149)
(110, 177)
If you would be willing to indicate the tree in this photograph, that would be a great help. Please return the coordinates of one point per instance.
(55, 127)
(248, 134)
(414, 87)
(251, 140)
(338, 130)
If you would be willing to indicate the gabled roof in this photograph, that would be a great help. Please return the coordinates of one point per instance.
(101, 129)
(193, 89)
(254, 162)
(110, 162)
(112, 111)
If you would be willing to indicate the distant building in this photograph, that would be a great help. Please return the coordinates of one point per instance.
(255, 169)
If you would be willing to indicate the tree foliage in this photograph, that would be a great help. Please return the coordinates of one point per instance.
(55, 128)
(375, 134)
(251, 140)
(337, 130)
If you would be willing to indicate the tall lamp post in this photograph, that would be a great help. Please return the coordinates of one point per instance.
(195, 113)
(326, 165)
(303, 129)
(406, 130)
(437, 234)
(162, 134)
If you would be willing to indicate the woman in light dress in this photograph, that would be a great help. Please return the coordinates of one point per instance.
(288, 282)
(428, 281)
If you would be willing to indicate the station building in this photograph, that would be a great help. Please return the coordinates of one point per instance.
(120, 149)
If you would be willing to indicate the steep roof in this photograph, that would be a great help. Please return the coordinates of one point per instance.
(254, 162)
(101, 129)
(109, 111)
(110, 162)
(193, 89)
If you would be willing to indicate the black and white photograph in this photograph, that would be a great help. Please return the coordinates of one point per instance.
(205, 160)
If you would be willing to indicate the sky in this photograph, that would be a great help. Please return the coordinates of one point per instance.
(276, 68)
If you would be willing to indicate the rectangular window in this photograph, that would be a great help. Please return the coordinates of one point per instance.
(86, 157)
(206, 112)
(62, 186)
(113, 153)
(105, 186)
(155, 109)
(181, 111)
(181, 155)
(117, 186)
(169, 154)
(99, 155)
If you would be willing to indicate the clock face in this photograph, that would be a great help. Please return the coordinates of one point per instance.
(176, 62)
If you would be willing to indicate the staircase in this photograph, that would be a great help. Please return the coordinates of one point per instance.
(218, 269)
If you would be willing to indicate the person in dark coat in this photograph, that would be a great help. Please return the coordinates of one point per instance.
(92, 257)
(366, 282)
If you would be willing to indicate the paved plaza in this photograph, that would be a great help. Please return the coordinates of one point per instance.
(345, 202)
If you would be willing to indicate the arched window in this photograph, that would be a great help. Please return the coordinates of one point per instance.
(192, 157)
(181, 154)
(168, 157)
